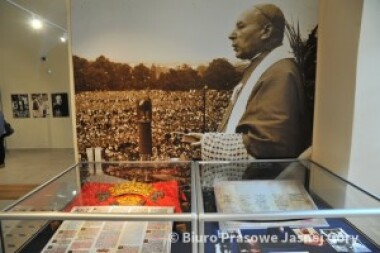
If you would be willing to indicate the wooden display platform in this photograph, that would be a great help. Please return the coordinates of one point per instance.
(15, 191)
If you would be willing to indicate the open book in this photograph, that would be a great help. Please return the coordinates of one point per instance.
(263, 195)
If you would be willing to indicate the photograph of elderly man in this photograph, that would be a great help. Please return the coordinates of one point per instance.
(60, 106)
(227, 88)
(267, 115)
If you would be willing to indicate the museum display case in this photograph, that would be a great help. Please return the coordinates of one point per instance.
(106, 207)
(282, 206)
(256, 206)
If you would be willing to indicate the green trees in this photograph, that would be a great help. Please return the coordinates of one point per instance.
(221, 75)
(103, 74)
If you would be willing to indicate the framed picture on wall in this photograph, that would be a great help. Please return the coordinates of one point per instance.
(20, 105)
(40, 105)
(60, 104)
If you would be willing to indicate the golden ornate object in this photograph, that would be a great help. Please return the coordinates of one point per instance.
(130, 200)
(132, 187)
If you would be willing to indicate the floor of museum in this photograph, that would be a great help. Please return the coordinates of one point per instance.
(27, 168)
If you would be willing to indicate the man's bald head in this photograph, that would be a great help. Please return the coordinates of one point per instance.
(274, 15)
(258, 29)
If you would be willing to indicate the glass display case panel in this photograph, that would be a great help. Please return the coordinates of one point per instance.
(283, 206)
(106, 207)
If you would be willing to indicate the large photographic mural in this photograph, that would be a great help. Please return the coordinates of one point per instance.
(175, 54)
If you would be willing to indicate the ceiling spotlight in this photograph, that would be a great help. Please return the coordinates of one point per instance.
(36, 23)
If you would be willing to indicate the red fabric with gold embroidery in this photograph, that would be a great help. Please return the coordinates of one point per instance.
(98, 194)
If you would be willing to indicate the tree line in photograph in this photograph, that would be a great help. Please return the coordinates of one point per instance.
(102, 74)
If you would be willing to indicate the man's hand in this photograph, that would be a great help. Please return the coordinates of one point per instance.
(193, 138)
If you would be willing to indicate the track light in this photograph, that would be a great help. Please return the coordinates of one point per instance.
(36, 23)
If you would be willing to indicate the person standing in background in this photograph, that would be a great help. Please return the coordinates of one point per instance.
(5, 131)
(2, 136)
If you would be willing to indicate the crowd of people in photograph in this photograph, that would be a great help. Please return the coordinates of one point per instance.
(109, 119)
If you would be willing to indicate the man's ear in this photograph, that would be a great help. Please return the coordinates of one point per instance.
(266, 31)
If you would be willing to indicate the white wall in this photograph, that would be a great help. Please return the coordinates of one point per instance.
(339, 29)
(346, 136)
(365, 155)
(23, 71)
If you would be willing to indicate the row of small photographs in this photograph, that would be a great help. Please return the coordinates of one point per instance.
(40, 105)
